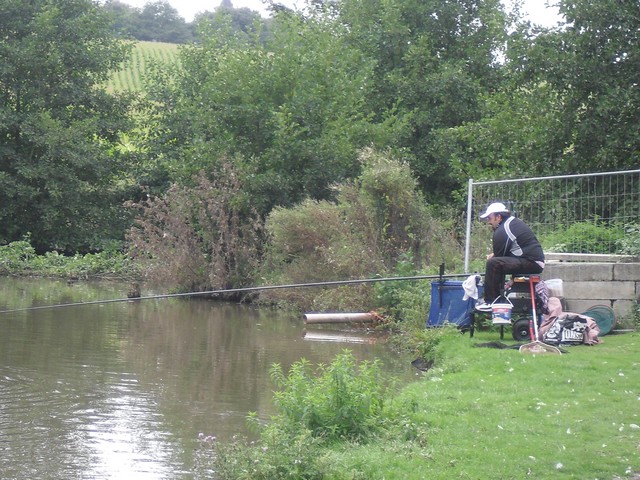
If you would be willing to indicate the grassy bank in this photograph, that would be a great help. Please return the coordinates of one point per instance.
(490, 413)
(509, 415)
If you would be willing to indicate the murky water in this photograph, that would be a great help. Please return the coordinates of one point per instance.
(123, 390)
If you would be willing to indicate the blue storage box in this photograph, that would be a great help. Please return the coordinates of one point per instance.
(447, 305)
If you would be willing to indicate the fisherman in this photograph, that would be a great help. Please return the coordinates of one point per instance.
(515, 250)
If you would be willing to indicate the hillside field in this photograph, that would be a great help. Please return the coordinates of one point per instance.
(143, 56)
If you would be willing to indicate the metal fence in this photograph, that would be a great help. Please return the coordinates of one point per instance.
(595, 213)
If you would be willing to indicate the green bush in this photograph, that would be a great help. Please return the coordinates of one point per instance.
(377, 224)
(343, 401)
(406, 300)
(630, 243)
(584, 237)
(16, 257)
(20, 258)
(430, 344)
(278, 455)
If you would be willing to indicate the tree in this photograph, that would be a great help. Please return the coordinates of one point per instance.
(292, 106)
(160, 22)
(434, 63)
(124, 18)
(570, 102)
(241, 19)
(597, 72)
(58, 129)
(520, 134)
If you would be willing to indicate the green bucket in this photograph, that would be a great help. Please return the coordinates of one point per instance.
(603, 316)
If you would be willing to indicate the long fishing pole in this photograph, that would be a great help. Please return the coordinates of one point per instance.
(236, 290)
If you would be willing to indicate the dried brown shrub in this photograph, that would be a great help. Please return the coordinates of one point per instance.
(198, 238)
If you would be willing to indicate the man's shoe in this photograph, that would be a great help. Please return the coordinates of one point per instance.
(483, 307)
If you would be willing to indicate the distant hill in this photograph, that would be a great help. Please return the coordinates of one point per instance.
(129, 78)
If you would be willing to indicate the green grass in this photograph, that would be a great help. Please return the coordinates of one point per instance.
(490, 413)
(143, 55)
(508, 415)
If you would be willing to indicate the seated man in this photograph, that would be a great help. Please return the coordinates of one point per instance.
(515, 250)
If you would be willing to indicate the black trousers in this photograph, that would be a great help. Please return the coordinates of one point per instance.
(498, 267)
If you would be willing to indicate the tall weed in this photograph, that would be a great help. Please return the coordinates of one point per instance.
(198, 238)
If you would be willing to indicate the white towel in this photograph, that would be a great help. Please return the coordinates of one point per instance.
(470, 288)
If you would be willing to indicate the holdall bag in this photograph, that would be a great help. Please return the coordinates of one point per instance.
(566, 329)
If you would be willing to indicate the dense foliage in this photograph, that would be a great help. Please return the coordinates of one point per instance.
(378, 224)
(451, 89)
(291, 110)
(342, 400)
(60, 177)
(570, 102)
(158, 21)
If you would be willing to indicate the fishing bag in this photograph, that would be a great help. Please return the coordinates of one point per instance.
(566, 329)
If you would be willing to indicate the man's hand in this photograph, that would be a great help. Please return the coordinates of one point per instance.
(490, 256)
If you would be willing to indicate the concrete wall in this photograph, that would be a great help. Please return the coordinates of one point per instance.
(589, 280)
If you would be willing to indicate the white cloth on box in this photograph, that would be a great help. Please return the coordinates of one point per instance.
(470, 288)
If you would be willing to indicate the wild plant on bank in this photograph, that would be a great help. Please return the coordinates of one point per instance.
(341, 401)
(198, 238)
(407, 301)
(279, 455)
(21, 258)
(377, 221)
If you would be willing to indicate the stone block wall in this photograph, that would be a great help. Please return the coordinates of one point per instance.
(589, 281)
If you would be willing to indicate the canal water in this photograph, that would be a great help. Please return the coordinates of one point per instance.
(129, 389)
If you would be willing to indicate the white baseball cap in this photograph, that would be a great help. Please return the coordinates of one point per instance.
(494, 208)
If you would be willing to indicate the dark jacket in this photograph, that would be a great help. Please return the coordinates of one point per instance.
(514, 238)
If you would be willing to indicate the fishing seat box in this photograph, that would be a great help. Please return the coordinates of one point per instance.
(448, 306)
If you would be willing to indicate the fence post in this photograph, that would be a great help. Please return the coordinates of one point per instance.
(467, 243)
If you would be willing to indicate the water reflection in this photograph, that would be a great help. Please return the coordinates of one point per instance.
(123, 389)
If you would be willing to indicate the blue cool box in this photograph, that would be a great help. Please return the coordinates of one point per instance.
(447, 305)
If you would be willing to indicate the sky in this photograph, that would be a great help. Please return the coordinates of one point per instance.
(187, 9)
